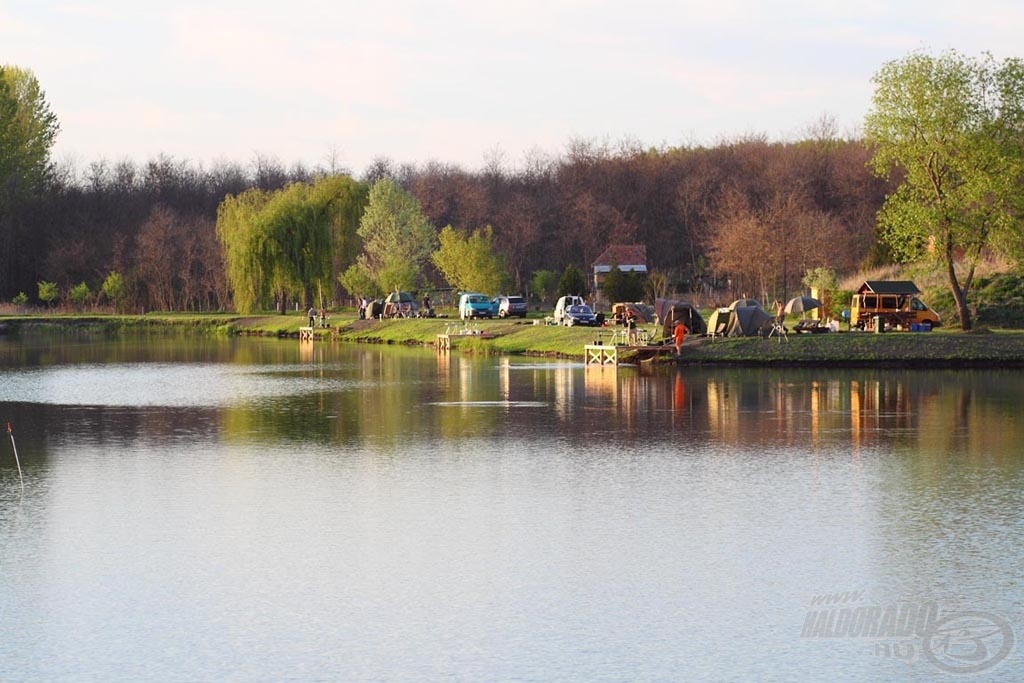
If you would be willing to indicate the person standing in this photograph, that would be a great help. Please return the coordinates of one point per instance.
(631, 328)
(679, 336)
(311, 313)
(780, 313)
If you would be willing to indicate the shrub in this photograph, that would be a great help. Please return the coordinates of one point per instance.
(80, 294)
(48, 292)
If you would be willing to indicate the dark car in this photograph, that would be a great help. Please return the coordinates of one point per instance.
(508, 306)
(580, 314)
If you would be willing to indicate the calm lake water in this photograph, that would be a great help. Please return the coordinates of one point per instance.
(260, 511)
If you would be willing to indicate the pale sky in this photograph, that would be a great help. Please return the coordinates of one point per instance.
(458, 81)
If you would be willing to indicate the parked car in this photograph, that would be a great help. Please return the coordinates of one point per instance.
(508, 306)
(473, 305)
(564, 303)
(579, 315)
(400, 305)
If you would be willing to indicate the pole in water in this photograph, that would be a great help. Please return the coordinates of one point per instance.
(10, 432)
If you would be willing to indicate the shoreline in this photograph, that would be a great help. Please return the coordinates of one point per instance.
(939, 349)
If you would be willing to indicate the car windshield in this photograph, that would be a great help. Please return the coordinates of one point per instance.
(479, 299)
(515, 299)
(579, 309)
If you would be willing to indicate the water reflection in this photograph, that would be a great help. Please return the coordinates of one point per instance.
(971, 411)
(259, 391)
(387, 513)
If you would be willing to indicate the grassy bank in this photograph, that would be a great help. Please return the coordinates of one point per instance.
(934, 349)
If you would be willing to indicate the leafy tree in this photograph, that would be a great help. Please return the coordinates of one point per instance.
(397, 240)
(246, 256)
(762, 243)
(824, 281)
(950, 127)
(80, 294)
(621, 286)
(613, 281)
(471, 263)
(544, 284)
(48, 292)
(820, 278)
(20, 299)
(358, 281)
(572, 282)
(290, 241)
(27, 132)
(114, 289)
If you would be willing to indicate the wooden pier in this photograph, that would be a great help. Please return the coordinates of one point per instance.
(305, 334)
(599, 354)
(446, 341)
(607, 354)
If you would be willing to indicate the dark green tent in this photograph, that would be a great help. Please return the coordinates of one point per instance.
(670, 311)
(743, 321)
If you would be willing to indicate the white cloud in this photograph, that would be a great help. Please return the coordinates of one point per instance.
(451, 79)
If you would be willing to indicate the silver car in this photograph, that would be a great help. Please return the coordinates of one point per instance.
(509, 306)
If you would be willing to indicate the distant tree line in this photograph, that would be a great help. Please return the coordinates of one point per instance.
(940, 172)
(753, 213)
(747, 214)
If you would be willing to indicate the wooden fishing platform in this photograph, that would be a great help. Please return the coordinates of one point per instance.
(608, 354)
(599, 354)
(446, 341)
(305, 334)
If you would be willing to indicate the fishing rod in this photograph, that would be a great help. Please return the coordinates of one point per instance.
(17, 460)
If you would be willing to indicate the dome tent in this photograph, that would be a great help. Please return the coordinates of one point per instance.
(742, 321)
(670, 311)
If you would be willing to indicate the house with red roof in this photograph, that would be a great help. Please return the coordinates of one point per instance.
(628, 258)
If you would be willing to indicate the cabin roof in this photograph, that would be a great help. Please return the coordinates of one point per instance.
(888, 287)
(625, 256)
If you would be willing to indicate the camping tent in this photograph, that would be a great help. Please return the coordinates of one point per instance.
(643, 313)
(743, 321)
(670, 311)
(745, 303)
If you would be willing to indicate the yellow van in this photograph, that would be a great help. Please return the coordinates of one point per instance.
(895, 302)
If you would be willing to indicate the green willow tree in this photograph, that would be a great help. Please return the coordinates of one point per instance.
(245, 255)
(28, 130)
(471, 262)
(397, 242)
(951, 128)
(289, 243)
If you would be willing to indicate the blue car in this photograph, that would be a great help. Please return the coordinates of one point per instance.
(472, 305)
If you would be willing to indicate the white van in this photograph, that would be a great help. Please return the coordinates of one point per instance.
(564, 303)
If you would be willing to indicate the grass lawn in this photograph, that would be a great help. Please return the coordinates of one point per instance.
(521, 337)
